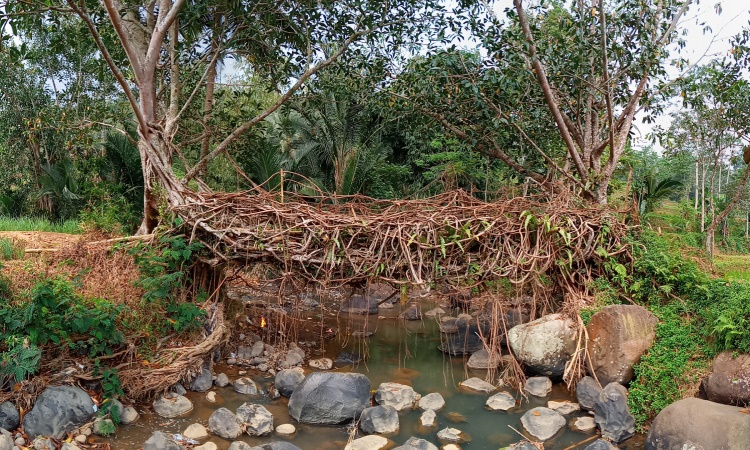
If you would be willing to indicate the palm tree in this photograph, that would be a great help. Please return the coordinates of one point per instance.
(653, 193)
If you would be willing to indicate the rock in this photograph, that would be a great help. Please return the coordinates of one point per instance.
(523, 445)
(58, 409)
(206, 446)
(481, 359)
(41, 443)
(170, 407)
(357, 304)
(411, 313)
(544, 345)
(585, 424)
(416, 444)
(428, 418)
(129, 415)
(286, 429)
(379, 420)
(400, 396)
(293, 357)
(477, 384)
(434, 312)
(601, 444)
(211, 396)
(195, 431)
(693, 423)
(455, 417)
(728, 382)
(67, 446)
(538, 386)
(6, 443)
(20, 442)
(161, 441)
(245, 385)
(288, 379)
(362, 334)
(104, 427)
(321, 364)
(542, 423)
(224, 423)
(257, 350)
(258, 421)
(279, 445)
(588, 393)
(432, 401)
(502, 401)
(451, 447)
(178, 389)
(451, 435)
(367, 443)
(465, 340)
(202, 382)
(9, 418)
(330, 398)
(564, 407)
(348, 358)
(612, 414)
(222, 380)
(618, 336)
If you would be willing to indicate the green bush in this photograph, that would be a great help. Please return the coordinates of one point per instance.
(19, 362)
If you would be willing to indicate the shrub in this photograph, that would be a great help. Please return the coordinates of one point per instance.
(19, 362)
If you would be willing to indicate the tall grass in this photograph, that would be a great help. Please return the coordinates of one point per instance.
(10, 250)
(38, 224)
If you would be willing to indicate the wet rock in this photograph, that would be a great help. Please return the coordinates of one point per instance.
(195, 431)
(104, 427)
(538, 386)
(400, 396)
(367, 443)
(433, 401)
(58, 409)
(178, 389)
(206, 446)
(288, 379)
(435, 312)
(618, 336)
(693, 423)
(466, 338)
(544, 345)
(222, 380)
(612, 414)
(357, 304)
(428, 418)
(161, 441)
(379, 420)
(9, 417)
(564, 407)
(455, 417)
(502, 401)
(362, 334)
(411, 313)
(211, 396)
(321, 364)
(451, 435)
(224, 423)
(588, 393)
(129, 415)
(729, 381)
(174, 406)
(245, 385)
(286, 429)
(523, 445)
(330, 398)
(601, 444)
(348, 359)
(542, 423)
(512, 317)
(584, 424)
(258, 421)
(414, 443)
(202, 382)
(294, 356)
(482, 359)
(6, 443)
(279, 445)
(477, 384)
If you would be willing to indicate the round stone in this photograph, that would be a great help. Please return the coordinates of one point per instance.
(286, 429)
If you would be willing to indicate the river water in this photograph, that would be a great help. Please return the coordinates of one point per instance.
(398, 351)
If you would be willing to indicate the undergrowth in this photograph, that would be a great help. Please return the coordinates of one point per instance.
(38, 224)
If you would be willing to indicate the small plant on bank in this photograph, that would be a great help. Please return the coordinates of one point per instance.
(111, 392)
(19, 362)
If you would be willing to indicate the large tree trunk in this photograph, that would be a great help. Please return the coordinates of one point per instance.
(696, 185)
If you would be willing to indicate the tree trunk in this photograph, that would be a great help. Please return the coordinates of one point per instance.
(696, 185)
(710, 240)
(208, 102)
(703, 197)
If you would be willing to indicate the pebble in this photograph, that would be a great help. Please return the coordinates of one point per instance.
(21, 441)
(232, 361)
(451, 447)
(564, 408)
(286, 429)
(450, 434)
(321, 364)
(211, 396)
(477, 384)
(195, 431)
(585, 424)
(428, 418)
(81, 439)
(206, 446)
(87, 431)
(222, 380)
(242, 372)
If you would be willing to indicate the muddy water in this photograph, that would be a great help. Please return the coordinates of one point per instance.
(403, 352)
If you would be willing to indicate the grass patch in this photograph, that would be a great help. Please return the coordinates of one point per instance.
(10, 250)
(733, 267)
(38, 224)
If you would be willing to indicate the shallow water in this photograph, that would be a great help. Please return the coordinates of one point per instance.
(403, 352)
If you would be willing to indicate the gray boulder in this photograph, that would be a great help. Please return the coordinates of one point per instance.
(9, 417)
(482, 359)
(380, 420)
(172, 406)
(729, 381)
(258, 421)
(502, 401)
(693, 423)
(416, 444)
(400, 396)
(330, 398)
(161, 441)
(612, 414)
(600, 444)
(288, 379)
(542, 423)
(224, 423)
(544, 345)
(245, 385)
(538, 386)
(202, 382)
(357, 304)
(433, 401)
(58, 409)
(222, 380)
(588, 393)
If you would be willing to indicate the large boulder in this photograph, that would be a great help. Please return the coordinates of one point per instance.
(618, 336)
(330, 398)
(693, 423)
(172, 406)
(9, 417)
(544, 345)
(288, 379)
(465, 336)
(379, 419)
(612, 414)
(203, 381)
(224, 423)
(161, 441)
(58, 409)
(542, 423)
(358, 304)
(257, 420)
(729, 381)
(400, 396)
